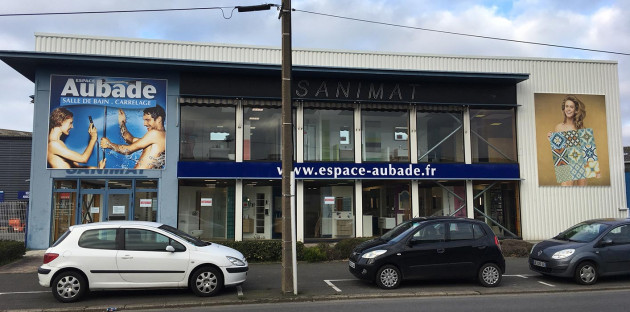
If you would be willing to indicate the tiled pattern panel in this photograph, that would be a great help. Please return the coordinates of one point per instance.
(574, 155)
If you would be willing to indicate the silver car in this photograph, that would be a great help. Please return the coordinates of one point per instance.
(585, 251)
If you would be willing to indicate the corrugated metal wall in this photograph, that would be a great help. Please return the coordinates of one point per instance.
(15, 166)
(544, 210)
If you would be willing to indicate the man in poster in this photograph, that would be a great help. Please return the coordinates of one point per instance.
(153, 143)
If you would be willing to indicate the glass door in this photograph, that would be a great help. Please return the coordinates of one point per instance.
(118, 206)
(91, 206)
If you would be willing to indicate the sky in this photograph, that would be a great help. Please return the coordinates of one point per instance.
(590, 24)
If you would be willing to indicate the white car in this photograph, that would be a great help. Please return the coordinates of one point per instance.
(133, 254)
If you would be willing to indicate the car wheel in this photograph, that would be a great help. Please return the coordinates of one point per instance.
(586, 273)
(489, 275)
(206, 282)
(388, 277)
(69, 286)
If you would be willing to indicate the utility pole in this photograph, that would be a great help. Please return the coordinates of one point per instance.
(287, 149)
(287, 143)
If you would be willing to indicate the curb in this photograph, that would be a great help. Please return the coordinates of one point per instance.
(291, 298)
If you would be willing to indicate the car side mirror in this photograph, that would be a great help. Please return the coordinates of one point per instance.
(170, 248)
(606, 242)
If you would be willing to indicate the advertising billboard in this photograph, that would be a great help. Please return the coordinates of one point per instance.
(571, 140)
(106, 122)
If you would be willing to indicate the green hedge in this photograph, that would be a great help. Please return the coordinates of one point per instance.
(11, 251)
(332, 251)
(271, 250)
(262, 250)
(516, 248)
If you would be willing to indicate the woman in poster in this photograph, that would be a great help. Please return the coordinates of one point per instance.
(59, 155)
(574, 112)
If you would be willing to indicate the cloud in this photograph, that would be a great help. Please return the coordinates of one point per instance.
(584, 23)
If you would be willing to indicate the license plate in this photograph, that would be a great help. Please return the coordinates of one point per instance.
(351, 264)
(540, 264)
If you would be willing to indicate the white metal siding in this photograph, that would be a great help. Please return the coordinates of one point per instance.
(544, 210)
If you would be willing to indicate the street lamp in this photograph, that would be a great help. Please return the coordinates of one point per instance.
(288, 266)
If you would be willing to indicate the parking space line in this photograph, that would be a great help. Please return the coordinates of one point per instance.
(518, 275)
(329, 282)
(239, 291)
(24, 292)
(546, 284)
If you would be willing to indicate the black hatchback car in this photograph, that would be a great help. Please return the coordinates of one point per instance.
(585, 251)
(427, 248)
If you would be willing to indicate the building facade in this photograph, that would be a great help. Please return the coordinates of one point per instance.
(189, 135)
(15, 165)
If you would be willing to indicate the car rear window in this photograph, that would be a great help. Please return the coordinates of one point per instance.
(98, 239)
(61, 238)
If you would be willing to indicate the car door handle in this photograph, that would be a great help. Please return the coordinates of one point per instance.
(440, 250)
(126, 257)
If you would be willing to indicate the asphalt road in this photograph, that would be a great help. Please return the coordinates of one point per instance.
(614, 300)
(19, 288)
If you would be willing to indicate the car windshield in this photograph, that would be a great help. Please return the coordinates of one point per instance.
(399, 229)
(583, 232)
(191, 239)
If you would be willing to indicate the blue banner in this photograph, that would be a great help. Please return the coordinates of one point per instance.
(422, 171)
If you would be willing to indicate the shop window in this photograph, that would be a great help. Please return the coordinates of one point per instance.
(262, 209)
(385, 205)
(262, 133)
(64, 212)
(206, 208)
(65, 184)
(328, 135)
(442, 198)
(329, 209)
(493, 135)
(385, 136)
(440, 136)
(496, 203)
(146, 202)
(208, 133)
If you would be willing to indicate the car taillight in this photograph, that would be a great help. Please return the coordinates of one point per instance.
(496, 241)
(50, 257)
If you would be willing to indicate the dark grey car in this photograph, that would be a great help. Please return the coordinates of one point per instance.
(585, 251)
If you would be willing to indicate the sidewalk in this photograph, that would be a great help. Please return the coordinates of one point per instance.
(28, 264)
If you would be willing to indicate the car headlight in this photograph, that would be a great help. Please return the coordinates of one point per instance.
(563, 254)
(373, 254)
(533, 247)
(236, 261)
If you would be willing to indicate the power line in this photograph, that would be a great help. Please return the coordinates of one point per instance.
(116, 11)
(321, 14)
(461, 34)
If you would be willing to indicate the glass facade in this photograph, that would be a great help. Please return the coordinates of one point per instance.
(385, 205)
(493, 135)
(262, 209)
(80, 201)
(262, 133)
(444, 198)
(329, 209)
(206, 209)
(328, 135)
(208, 133)
(440, 136)
(497, 203)
(385, 135)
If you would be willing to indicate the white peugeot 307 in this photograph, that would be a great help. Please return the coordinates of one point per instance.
(133, 254)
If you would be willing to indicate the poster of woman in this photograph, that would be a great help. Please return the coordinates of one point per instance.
(571, 140)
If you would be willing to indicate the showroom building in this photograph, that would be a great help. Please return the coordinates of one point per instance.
(188, 134)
